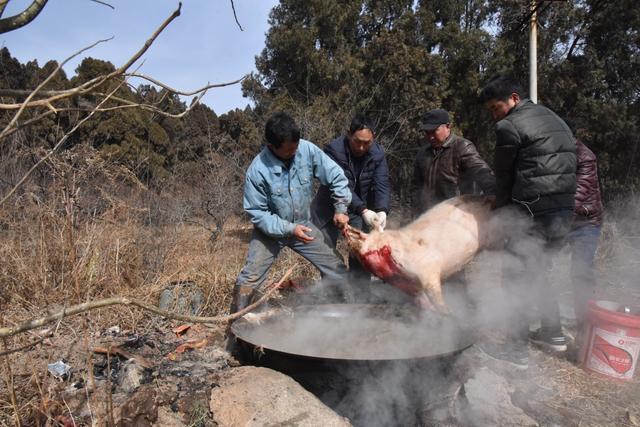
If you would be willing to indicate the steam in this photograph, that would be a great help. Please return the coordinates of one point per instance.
(617, 268)
(392, 392)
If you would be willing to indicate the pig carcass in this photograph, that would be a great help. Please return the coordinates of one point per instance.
(419, 256)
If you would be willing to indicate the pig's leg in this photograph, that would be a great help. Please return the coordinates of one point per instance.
(433, 288)
(422, 300)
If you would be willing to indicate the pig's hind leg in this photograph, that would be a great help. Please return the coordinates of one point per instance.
(432, 286)
(422, 300)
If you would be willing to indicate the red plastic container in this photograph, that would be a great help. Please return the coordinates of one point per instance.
(612, 340)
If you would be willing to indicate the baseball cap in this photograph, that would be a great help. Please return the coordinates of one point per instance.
(434, 118)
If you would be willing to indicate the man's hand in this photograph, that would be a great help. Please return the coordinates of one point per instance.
(300, 233)
(371, 219)
(382, 218)
(340, 220)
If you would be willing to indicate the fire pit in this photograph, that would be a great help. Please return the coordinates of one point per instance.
(355, 332)
(374, 364)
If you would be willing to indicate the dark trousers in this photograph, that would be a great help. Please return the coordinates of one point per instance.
(263, 251)
(584, 243)
(526, 274)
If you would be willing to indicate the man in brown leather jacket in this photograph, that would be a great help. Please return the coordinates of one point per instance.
(445, 164)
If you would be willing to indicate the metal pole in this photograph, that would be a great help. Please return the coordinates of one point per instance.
(533, 53)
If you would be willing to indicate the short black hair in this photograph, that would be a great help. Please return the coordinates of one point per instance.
(500, 87)
(281, 128)
(359, 122)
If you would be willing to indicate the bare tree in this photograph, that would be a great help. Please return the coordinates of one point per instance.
(46, 103)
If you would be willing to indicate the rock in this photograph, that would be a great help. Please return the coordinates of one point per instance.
(250, 396)
(488, 401)
(130, 376)
(444, 407)
(183, 297)
(168, 418)
(141, 410)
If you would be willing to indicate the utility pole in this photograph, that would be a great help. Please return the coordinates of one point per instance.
(533, 53)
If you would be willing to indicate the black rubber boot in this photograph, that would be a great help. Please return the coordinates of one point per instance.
(240, 299)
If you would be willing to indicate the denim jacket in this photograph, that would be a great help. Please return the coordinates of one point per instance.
(277, 198)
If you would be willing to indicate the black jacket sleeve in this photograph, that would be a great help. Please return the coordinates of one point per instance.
(507, 146)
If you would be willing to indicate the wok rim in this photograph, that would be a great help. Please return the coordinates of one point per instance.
(342, 310)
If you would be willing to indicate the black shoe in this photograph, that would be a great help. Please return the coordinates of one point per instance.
(514, 356)
(547, 340)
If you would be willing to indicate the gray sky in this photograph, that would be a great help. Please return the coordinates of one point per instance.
(202, 45)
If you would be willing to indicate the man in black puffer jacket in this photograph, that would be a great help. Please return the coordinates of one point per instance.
(365, 166)
(535, 168)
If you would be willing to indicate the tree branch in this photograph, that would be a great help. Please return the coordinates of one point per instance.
(25, 104)
(20, 20)
(104, 3)
(35, 119)
(92, 84)
(179, 92)
(52, 93)
(147, 44)
(3, 5)
(87, 306)
(149, 107)
(233, 7)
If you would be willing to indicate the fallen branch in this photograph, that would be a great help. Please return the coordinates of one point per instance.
(117, 351)
(87, 306)
(24, 347)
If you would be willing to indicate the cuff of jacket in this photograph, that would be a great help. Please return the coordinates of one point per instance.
(358, 210)
(340, 208)
(289, 229)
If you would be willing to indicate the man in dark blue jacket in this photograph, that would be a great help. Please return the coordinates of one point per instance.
(365, 166)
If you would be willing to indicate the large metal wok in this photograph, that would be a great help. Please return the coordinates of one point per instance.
(352, 332)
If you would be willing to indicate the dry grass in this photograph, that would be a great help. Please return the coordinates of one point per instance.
(86, 229)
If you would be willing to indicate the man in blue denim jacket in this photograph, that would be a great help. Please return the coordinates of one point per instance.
(277, 196)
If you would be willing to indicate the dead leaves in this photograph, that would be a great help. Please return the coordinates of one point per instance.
(193, 343)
